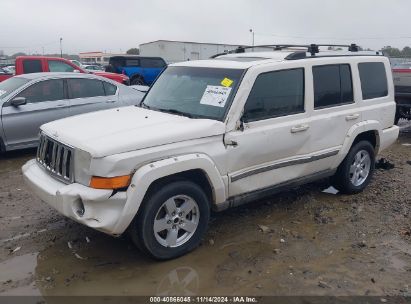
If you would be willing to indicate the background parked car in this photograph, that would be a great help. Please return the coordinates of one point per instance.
(38, 64)
(140, 70)
(77, 63)
(30, 100)
(4, 74)
(93, 67)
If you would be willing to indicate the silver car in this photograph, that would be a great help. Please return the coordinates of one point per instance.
(30, 100)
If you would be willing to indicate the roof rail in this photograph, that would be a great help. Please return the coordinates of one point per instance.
(310, 48)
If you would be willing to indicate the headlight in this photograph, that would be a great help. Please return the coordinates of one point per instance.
(82, 161)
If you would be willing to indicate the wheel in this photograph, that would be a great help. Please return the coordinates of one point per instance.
(137, 80)
(172, 220)
(356, 171)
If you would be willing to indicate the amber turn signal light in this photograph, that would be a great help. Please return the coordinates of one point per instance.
(117, 182)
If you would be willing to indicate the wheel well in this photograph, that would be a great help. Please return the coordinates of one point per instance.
(370, 136)
(197, 176)
(136, 76)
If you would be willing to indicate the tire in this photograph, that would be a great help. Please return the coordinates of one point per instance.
(353, 175)
(159, 232)
(137, 80)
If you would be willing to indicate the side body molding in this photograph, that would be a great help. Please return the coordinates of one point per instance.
(147, 174)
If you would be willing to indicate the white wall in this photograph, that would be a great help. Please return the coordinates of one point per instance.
(172, 51)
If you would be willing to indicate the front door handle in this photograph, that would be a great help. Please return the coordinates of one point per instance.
(352, 117)
(300, 128)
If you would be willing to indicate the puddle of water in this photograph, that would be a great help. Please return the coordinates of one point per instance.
(18, 268)
(17, 276)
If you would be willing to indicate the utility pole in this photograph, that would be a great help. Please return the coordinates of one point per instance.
(252, 33)
(61, 47)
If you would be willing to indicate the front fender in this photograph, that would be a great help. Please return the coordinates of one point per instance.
(147, 174)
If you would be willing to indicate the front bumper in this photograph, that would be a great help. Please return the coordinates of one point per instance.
(95, 208)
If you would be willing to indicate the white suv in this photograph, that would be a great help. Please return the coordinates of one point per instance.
(213, 134)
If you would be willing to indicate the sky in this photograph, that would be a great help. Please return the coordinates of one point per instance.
(32, 26)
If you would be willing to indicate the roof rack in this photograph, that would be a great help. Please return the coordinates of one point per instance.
(310, 48)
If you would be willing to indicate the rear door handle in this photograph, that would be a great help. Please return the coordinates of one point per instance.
(352, 117)
(60, 105)
(300, 128)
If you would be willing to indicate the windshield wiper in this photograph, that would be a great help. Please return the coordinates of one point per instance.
(143, 105)
(177, 112)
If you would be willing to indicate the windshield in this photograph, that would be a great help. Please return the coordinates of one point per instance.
(194, 91)
(9, 85)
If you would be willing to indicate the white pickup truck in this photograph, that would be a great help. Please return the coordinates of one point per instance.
(213, 134)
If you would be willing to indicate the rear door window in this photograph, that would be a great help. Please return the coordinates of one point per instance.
(373, 80)
(59, 66)
(32, 66)
(84, 88)
(47, 90)
(133, 62)
(332, 85)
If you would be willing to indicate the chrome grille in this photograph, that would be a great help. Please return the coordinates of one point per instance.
(56, 158)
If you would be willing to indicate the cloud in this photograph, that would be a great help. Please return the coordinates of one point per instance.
(115, 26)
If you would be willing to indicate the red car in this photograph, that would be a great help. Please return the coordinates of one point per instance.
(4, 75)
(36, 64)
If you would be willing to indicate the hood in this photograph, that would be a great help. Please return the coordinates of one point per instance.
(127, 129)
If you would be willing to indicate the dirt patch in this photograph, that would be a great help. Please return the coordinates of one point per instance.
(302, 242)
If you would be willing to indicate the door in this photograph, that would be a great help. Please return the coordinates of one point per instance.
(88, 95)
(274, 144)
(45, 102)
(335, 110)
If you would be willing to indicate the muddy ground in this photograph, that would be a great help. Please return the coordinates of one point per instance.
(301, 242)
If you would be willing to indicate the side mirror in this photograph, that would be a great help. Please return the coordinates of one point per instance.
(18, 101)
(76, 71)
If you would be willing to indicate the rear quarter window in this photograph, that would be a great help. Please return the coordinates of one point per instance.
(373, 80)
(109, 88)
(152, 63)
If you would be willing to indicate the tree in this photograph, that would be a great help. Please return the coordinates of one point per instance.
(133, 51)
(406, 51)
(391, 52)
(18, 54)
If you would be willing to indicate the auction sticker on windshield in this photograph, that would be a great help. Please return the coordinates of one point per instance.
(227, 82)
(215, 96)
(2, 92)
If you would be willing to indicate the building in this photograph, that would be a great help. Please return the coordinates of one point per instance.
(175, 51)
(96, 57)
